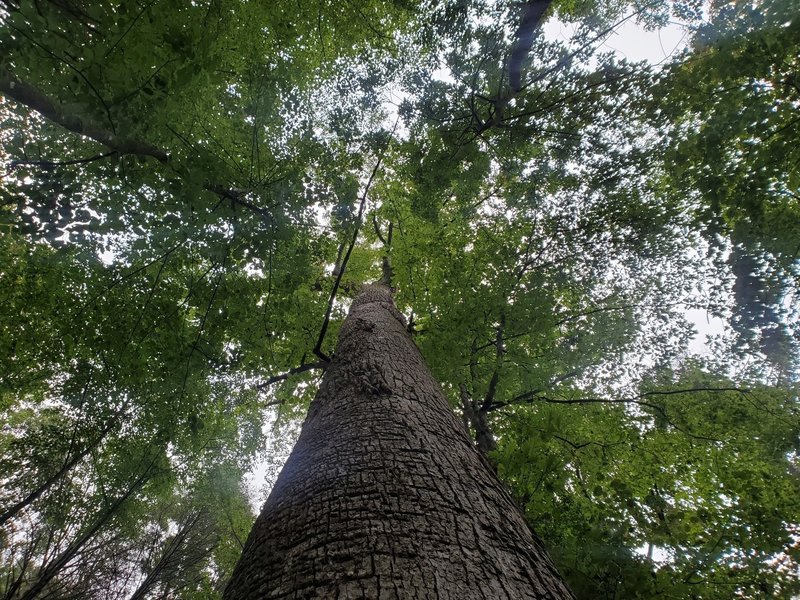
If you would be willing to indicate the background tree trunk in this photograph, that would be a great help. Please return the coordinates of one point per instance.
(383, 495)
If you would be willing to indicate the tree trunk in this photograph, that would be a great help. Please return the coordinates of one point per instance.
(479, 422)
(383, 495)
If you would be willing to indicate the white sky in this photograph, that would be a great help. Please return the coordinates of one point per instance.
(633, 42)
(630, 40)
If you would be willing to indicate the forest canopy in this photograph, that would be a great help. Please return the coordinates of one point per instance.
(193, 192)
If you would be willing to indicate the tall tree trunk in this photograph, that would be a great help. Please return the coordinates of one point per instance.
(383, 495)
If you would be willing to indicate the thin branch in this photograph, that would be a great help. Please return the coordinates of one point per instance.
(569, 96)
(362, 203)
(237, 197)
(128, 29)
(693, 390)
(51, 164)
(568, 58)
(122, 98)
(637, 400)
(283, 376)
(499, 351)
(378, 230)
(573, 445)
(35, 100)
(70, 462)
(201, 328)
(122, 278)
(534, 395)
(149, 297)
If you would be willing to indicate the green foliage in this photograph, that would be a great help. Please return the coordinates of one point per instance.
(545, 246)
(700, 483)
(732, 157)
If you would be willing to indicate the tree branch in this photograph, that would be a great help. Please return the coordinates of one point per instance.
(637, 400)
(693, 390)
(283, 376)
(378, 229)
(51, 164)
(534, 395)
(362, 203)
(387, 273)
(29, 96)
(568, 58)
(236, 196)
(532, 13)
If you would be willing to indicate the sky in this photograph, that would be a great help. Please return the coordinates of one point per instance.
(635, 43)
(630, 40)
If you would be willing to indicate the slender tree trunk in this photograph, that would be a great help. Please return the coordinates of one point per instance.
(51, 569)
(478, 420)
(11, 511)
(383, 495)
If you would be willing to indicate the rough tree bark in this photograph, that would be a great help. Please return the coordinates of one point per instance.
(383, 495)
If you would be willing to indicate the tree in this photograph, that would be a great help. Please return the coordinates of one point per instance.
(383, 495)
(685, 503)
(181, 233)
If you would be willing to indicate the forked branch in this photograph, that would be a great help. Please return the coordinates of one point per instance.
(297, 370)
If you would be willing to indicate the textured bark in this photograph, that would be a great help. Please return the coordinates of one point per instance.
(478, 421)
(383, 495)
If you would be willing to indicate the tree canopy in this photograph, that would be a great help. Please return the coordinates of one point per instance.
(192, 192)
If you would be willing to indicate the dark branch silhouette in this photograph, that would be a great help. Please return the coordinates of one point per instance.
(29, 96)
(51, 164)
(283, 376)
(532, 14)
(341, 268)
(32, 98)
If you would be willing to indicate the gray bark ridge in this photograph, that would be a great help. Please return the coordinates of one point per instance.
(384, 495)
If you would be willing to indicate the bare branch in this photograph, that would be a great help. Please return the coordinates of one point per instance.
(362, 203)
(283, 376)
